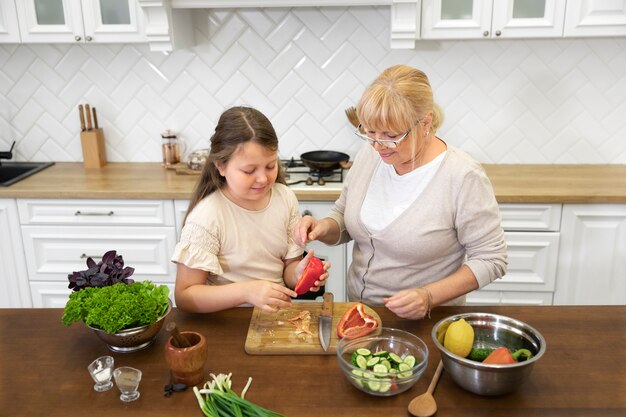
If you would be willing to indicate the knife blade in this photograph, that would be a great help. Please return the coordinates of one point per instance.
(88, 113)
(325, 321)
(81, 113)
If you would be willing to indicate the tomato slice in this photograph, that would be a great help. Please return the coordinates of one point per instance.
(312, 272)
(356, 323)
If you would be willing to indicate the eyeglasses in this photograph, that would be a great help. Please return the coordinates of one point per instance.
(389, 143)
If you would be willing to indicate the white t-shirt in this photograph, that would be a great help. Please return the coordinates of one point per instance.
(235, 244)
(389, 194)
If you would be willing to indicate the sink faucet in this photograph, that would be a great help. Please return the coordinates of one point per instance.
(7, 155)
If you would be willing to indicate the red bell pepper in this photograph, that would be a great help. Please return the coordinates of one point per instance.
(312, 272)
(500, 356)
(356, 323)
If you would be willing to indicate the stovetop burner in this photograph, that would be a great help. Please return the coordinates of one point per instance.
(298, 173)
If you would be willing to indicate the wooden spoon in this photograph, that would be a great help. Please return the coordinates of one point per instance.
(425, 405)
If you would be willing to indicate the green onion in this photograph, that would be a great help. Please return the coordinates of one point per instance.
(221, 401)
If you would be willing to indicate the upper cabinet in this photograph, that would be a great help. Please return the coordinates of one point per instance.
(595, 18)
(9, 30)
(467, 19)
(112, 21)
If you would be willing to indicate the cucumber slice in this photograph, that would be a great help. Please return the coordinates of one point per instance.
(385, 385)
(380, 369)
(361, 362)
(381, 353)
(386, 363)
(357, 372)
(372, 361)
(363, 352)
(402, 370)
(374, 385)
(410, 360)
(395, 358)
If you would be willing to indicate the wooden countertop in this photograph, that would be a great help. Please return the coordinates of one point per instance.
(44, 369)
(512, 183)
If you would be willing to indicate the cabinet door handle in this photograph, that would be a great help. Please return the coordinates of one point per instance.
(498, 33)
(85, 256)
(93, 213)
(307, 213)
(77, 38)
(88, 38)
(486, 33)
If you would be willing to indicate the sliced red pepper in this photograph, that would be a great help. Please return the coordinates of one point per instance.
(312, 272)
(500, 356)
(356, 323)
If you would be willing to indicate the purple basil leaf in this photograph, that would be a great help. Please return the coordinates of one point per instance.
(90, 262)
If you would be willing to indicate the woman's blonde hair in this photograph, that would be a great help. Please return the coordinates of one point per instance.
(235, 127)
(399, 98)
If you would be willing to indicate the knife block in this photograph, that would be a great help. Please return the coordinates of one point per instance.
(92, 142)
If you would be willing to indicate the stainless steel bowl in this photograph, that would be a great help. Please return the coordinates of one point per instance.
(491, 330)
(135, 338)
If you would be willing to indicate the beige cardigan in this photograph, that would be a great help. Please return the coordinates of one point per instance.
(455, 221)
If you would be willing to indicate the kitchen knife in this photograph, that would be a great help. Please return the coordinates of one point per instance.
(88, 112)
(82, 117)
(95, 118)
(325, 320)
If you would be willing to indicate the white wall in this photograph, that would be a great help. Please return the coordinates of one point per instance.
(506, 101)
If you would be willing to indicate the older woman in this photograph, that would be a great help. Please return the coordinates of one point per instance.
(422, 214)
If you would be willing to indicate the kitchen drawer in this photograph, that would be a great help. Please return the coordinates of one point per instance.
(486, 298)
(180, 211)
(96, 212)
(531, 217)
(53, 252)
(532, 262)
(55, 294)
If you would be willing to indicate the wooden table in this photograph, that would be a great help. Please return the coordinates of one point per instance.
(43, 369)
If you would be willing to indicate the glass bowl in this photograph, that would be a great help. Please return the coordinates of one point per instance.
(390, 362)
(491, 331)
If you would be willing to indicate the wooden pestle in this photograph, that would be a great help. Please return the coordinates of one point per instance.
(180, 341)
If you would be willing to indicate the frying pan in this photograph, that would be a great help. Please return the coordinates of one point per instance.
(325, 160)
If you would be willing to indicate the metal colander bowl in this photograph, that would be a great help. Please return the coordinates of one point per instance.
(135, 338)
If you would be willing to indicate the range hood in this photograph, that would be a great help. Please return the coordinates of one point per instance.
(169, 24)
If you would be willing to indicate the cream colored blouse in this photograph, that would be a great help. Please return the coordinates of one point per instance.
(235, 244)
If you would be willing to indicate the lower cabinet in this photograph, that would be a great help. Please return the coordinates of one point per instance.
(592, 258)
(532, 233)
(14, 289)
(59, 235)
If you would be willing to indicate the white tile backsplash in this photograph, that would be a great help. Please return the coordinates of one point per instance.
(505, 101)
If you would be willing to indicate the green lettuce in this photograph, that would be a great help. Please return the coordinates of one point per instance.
(118, 306)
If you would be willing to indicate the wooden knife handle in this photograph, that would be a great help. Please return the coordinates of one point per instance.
(88, 112)
(95, 118)
(327, 305)
(81, 113)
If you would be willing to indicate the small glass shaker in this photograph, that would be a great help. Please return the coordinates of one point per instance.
(101, 370)
(127, 380)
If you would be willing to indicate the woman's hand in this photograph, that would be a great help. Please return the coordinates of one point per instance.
(302, 230)
(268, 296)
(302, 265)
(412, 304)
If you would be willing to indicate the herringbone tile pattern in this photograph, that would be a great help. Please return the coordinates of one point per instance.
(515, 101)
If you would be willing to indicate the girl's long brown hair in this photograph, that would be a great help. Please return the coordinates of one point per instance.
(235, 127)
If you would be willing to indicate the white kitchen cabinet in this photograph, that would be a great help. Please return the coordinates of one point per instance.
(59, 235)
(70, 21)
(532, 233)
(14, 290)
(473, 19)
(592, 258)
(587, 18)
(9, 29)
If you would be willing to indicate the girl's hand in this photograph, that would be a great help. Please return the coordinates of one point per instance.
(268, 296)
(302, 265)
(409, 304)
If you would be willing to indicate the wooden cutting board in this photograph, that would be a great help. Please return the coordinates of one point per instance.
(273, 334)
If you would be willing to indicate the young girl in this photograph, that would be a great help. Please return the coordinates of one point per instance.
(236, 246)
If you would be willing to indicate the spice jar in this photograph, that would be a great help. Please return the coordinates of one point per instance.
(171, 148)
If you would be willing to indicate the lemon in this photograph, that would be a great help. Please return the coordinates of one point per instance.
(459, 338)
